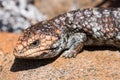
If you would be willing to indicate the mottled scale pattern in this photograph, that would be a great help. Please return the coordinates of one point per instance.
(98, 23)
(90, 26)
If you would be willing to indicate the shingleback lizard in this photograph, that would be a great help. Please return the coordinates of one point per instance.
(69, 32)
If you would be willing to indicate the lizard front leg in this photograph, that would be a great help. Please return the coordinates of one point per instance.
(75, 44)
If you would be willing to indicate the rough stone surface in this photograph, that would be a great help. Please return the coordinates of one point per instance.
(99, 63)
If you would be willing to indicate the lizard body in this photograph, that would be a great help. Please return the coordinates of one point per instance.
(69, 32)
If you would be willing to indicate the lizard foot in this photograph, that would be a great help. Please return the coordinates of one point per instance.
(69, 54)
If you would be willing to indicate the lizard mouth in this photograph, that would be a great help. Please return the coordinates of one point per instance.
(33, 53)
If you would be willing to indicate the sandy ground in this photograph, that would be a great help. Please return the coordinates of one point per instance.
(91, 64)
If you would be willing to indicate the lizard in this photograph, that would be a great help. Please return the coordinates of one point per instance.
(68, 33)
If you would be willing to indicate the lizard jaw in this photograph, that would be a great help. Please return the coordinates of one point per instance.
(32, 53)
(36, 53)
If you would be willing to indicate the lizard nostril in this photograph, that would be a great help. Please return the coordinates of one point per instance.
(14, 51)
(17, 51)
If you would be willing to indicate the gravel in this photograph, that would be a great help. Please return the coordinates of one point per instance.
(17, 15)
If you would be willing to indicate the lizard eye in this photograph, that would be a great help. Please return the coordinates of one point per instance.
(34, 44)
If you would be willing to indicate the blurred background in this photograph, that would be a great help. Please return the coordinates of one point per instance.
(17, 15)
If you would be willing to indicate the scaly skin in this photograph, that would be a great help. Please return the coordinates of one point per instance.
(69, 32)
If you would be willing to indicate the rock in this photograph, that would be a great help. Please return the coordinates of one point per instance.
(88, 65)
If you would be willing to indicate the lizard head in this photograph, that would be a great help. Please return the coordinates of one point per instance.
(37, 42)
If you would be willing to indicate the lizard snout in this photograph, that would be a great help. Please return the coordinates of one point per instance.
(17, 52)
